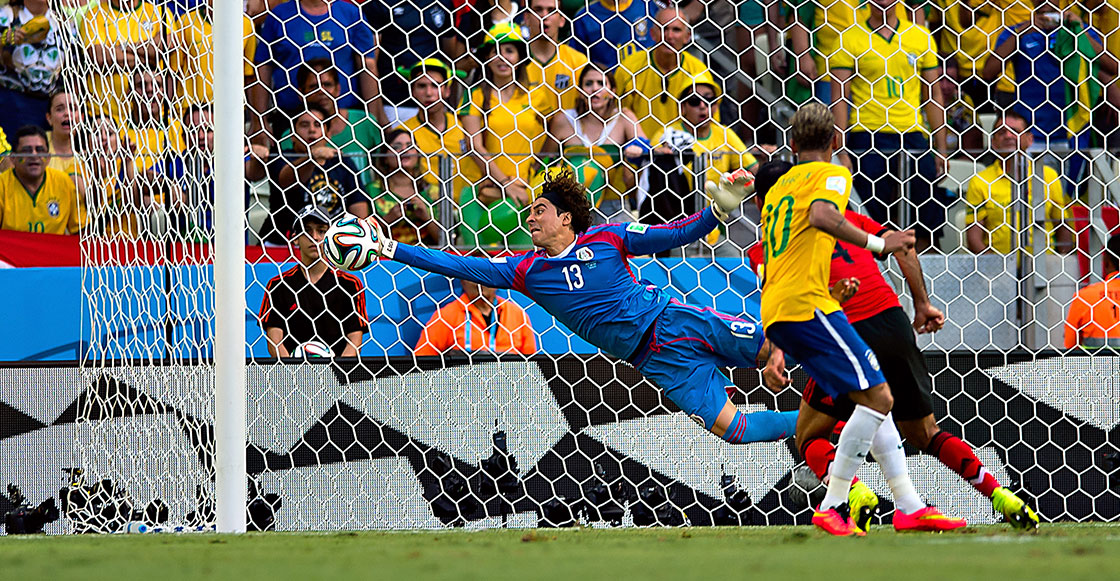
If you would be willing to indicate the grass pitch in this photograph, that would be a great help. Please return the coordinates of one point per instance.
(1058, 551)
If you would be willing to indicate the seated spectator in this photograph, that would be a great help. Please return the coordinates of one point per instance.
(120, 37)
(31, 57)
(314, 174)
(552, 63)
(193, 60)
(299, 31)
(597, 121)
(649, 80)
(472, 19)
(478, 321)
(1056, 58)
(504, 118)
(435, 129)
(62, 116)
(404, 201)
(150, 125)
(491, 221)
(35, 197)
(608, 31)
(5, 149)
(991, 194)
(889, 85)
(696, 130)
(963, 133)
(1094, 314)
(407, 33)
(107, 184)
(311, 301)
(187, 178)
(353, 132)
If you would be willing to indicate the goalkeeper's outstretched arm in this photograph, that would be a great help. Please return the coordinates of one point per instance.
(726, 197)
(495, 273)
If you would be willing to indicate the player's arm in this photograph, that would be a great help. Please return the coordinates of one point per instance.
(275, 336)
(643, 239)
(495, 273)
(927, 318)
(825, 216)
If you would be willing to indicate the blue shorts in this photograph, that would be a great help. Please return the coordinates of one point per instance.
(831, 352)
(685, 354)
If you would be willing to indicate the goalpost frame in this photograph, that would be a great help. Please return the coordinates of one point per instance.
(229, 268)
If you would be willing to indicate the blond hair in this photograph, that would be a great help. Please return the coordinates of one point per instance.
(812, 127)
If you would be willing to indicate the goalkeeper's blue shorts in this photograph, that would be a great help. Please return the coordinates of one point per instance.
(687, 348)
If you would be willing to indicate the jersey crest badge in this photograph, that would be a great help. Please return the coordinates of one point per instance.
(563, 81)
(584, 254)
(912, 59)
(641, 28)
(52, 208)
(637, 228)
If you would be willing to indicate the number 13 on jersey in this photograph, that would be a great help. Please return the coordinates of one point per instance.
(573, 276)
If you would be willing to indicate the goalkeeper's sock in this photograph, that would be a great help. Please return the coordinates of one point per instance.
(819, 454)
(887, 449)
(760, 427)
(957, 455)
(851, 452)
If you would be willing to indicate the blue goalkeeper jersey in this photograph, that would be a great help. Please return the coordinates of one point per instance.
(589, 287)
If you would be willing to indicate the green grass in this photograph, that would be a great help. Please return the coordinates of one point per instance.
(1064, 552)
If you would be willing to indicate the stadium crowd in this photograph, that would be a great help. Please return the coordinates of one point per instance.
(438, 117)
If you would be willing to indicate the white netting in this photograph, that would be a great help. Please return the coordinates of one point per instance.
(344, 112)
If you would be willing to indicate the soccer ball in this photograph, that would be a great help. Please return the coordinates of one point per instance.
(350, 243)
(313, 349)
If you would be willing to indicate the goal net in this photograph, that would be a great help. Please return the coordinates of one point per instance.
(439, 121)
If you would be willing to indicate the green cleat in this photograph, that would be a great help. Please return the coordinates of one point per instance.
(863, 503)
(1014, 510)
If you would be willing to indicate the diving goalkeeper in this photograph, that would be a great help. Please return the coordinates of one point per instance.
(581, 275)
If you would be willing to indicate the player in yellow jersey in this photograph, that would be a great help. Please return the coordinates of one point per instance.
(34, 197)
(802, 217)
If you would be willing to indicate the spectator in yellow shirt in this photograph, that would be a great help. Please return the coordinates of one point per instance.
(107, 184)
(649, 80)
(193, 62)
(551, 62)
(436, 131)
(504, 117)
(62, 116)
(35, 197)
(120, 38)
(151, 126)
(990, 215)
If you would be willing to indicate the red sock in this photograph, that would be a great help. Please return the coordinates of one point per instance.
(819, 454)
(954, 453)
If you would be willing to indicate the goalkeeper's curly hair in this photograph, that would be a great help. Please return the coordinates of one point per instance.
(572, 196)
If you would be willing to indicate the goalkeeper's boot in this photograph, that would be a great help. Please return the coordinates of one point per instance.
(837, 521)
(926, 519)
(863, 503)
(1014, 510)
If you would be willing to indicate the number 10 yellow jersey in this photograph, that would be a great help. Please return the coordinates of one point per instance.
(798, 256)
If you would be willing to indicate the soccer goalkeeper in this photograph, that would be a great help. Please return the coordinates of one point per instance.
(581, 275)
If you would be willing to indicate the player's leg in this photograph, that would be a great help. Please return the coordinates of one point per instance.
(892, 339)
(682, 363)
(834, 355)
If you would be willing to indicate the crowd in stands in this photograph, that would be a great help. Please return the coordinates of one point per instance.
(437, 117)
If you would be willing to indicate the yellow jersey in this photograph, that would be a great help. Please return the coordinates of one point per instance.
(451, 143)
(652, 94)
(729, 153)
(5, 147)
(886, 83)
(973, 44)
(51, 209)
(194, 56)
(66, 164)
(1106, 20)
(515, 130)
(104, 25)
(153, 143)
(830, 19)
(990, 204)
(559, 74)
(798, 256)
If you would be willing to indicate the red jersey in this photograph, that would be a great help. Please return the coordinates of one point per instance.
(875, 295)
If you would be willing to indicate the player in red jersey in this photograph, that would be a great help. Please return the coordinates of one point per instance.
(877, 316)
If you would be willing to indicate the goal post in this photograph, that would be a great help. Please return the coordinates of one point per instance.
(229, 268)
